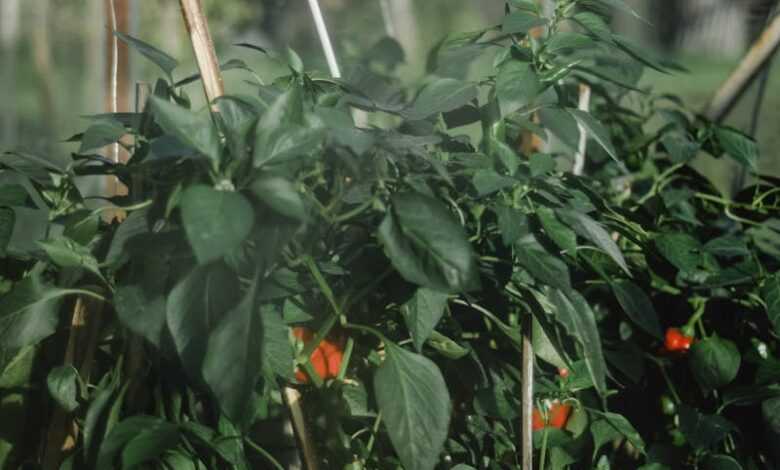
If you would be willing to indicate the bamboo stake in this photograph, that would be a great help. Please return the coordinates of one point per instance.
(740, 79)
(527, 397)
(203, 47)
(294, 401)
(579, 157)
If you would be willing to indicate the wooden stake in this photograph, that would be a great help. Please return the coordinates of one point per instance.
(527, 397)
(579, 157)
(740, 79)
(203, 47)
(293, 398)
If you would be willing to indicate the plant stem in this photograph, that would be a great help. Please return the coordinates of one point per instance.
(270, 458)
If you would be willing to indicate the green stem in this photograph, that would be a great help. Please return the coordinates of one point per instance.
(270, 458)
(345, 359)
(543, 454)
(330, 322)
(669, 383)
(374, 431)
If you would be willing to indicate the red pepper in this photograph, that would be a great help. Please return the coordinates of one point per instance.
(557, 416)
(325, 358)
(563, 372)
(675, 341)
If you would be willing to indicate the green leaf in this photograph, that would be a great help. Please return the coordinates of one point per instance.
(517, 86)
(440, 96)
(415, 404)
(427, 245)
(594, 24)
(277, 355)
(575, 314)
(238, 118)
(282, 144)
(136, 440)
(30, 312)
(194, 130)
(562, 124)
(714, 362)
(770, 409)
(721, 462)
(770, 294)
(520, 22)
(596, 130)
(194, 307)
(559, 233)
(216, 222)
(680, 147)
(163, 60)
(63, 385)
(30, 226)
(603, 433)
(280, 195)
(66, 253)
(139, 298)
(703, 431)
(512, 224)
(543, 266)
(739, 146)
(680, 249)
(7, 220)
(637, 306)
(488, 181)
(422, 313)
(234, 358)
(564, 41)
(624, 427)
(101, 133)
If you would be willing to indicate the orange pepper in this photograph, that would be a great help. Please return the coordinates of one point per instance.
(326, 358)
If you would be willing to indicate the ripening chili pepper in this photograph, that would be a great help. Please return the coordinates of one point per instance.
(675, 341)
(557, 416)
(325, 359)
(563, 372)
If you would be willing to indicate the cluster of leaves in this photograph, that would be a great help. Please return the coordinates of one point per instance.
(425, 249)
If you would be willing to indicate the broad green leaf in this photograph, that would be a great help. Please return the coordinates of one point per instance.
(101, 133)
(136, 440)
(714, 362)
(703, 431)
(680, 249)
(637, 306)
(596, 130)
(427, 245)
(512, 224)
(624, 427)
(721, 462)
(603, 433)
(770, 409)
(66, 253)
(285, 110)
(194, 130)
(543, 346)
(7, 220)
(422, 313)
(415, 405)
(280, 195)
(280, 144)
(30, 226)
(216, 222)
(594, 24)
(770, 293)
(564, 41)
(16, 372)
(561, 124)
(63, 385)
(440, 96)
(740, 147)
(543, 266)
(30, 312)
(194, 307)
(680, 146)
(81, 226)
(277, 355)
(520, 22)
(559, 233)
(163, 60)
(95, 420)
(575, 314)
(517, 86)
(139, 298)
(238, 119)
(488, 181)
(234, 358)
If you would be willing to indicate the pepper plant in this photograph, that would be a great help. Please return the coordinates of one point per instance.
(385, 272)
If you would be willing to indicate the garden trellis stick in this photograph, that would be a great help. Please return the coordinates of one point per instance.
(740, 79)
(579, 157)
(203, 47)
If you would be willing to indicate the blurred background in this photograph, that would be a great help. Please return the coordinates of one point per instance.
(54, 54)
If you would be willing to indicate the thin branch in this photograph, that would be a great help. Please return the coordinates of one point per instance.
(579, 157)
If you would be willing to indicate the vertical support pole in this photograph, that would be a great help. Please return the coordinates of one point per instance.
(9, 39)
(203, 47)
(579, 157)
(322, 33)
(527, 397)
